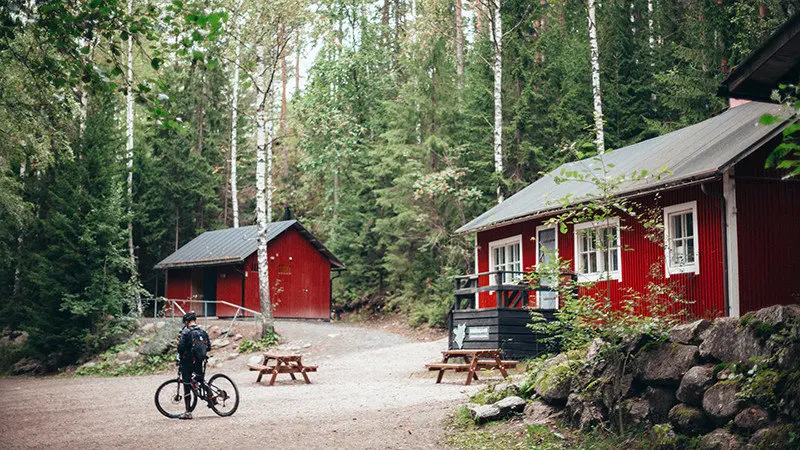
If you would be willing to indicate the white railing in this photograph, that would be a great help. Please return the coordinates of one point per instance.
(172, 304)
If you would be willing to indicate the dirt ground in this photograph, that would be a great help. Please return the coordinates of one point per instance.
(371, 391)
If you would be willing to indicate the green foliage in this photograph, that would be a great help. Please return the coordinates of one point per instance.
(144, 365)
(259, 345)
(488, 395)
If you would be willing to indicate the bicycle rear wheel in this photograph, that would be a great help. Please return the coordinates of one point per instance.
(169, 399)
(223, 395)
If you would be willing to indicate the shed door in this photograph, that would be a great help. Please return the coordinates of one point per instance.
(546, 247)
(210, 291)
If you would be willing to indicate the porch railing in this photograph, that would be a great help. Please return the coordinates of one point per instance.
(510, 288)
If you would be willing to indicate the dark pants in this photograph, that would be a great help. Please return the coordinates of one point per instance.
(187, 369)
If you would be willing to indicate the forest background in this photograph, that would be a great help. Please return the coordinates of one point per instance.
(381, 117)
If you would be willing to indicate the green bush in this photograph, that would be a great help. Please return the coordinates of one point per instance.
(259, 345)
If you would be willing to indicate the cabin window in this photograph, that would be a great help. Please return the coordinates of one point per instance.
(506, 256)
(680, 236)
(597, 250)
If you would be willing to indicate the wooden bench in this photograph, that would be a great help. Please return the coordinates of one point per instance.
(274, 364)
(473, 361)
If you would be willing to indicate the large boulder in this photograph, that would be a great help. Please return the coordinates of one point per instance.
(688, 420)
(582, 413)
(511, 404)
(720, 439)
(726, 341)
(751, 419)
(498, 410)
(214, 332)
(777, 437)
(694, 384)
(485, 413)
(661, 401)
(721, 403)
(778, 315)
(552, 381)
(635, 410)
(666, 364)
(28, 366)
(540, 413)
(689, 333)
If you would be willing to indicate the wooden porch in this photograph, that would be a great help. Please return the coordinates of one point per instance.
(503, 326)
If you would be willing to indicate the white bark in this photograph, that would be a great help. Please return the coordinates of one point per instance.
(261, 203)
(497, 40)
(129, 161)
(651, 37)
(598, 102)
(459, 46)
(234, 122)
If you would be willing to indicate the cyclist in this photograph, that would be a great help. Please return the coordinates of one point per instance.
(193, 344)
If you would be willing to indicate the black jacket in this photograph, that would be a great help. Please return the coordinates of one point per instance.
(185, 342)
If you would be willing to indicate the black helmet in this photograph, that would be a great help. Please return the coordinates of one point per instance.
(189, 317)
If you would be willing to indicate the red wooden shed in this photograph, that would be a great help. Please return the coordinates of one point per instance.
(223, 265)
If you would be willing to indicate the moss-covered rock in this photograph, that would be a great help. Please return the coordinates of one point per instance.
(689, 420)
(666, 363)
(721, 401)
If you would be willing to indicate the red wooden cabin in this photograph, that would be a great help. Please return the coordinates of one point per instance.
(731, 240)
(223, 265)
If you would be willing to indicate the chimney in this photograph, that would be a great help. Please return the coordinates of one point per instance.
(734, 102)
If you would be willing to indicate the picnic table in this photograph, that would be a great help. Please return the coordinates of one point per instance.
(473, 361)
(274, 364)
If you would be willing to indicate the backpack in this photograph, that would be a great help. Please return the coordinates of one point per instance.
(200, 344)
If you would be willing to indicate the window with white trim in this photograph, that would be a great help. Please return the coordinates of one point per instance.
(597, 250)
(506, 255)
(680, 236)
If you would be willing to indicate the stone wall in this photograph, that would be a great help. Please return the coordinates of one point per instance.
(727, 383)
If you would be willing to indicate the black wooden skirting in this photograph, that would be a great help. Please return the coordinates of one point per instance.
(503, 328)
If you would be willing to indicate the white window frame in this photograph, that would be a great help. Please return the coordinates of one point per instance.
(669, 211)
(504, 243)
(538, 229)
(596, 225)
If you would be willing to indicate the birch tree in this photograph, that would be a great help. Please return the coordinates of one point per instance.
(262, 223)
(459, 46)
(497, 68)
(129, 160)
(597, 99)
(234, 123)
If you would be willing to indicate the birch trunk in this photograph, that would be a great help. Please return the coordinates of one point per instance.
(129, 162)
(459, 46)
(298, 48)
(651, 38)
(284, 41)
(497, 40)
(261, 207)
(234, 129)
(598, 102)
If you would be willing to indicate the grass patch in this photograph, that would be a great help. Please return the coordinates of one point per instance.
(259, 345)
(144, 365)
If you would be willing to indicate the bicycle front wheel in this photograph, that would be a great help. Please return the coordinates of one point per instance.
(169, 399)
(223, 395)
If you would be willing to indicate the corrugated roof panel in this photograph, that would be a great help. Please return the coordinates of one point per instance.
(232, 245)
(690, 153)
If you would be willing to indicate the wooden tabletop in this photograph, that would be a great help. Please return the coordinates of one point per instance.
(476, 352)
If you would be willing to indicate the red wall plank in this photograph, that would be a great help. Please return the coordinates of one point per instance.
(768, 221)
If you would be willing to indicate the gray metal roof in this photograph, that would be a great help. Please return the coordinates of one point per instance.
(697, 152)
(234, 245)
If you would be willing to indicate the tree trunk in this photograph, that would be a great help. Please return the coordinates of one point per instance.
(129, 163)
(459, 47)
(234, 129)
(283, 40)
(298, 48)
(651, 39)
(497, 41)
(598, 102)
(261, 207)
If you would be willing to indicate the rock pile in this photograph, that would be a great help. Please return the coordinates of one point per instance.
(727, 383)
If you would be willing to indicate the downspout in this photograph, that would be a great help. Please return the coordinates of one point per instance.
(725, 272)
(330, 294)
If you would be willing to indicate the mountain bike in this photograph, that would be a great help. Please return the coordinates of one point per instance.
(220, 394)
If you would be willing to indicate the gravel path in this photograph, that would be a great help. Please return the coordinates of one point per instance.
(371, 391)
